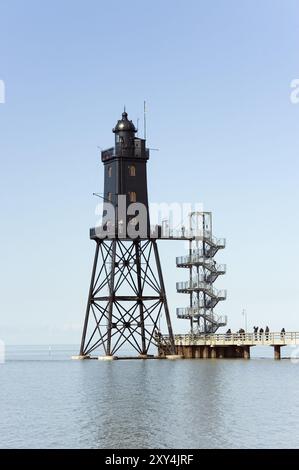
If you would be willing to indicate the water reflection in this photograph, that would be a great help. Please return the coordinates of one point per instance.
(149, 404)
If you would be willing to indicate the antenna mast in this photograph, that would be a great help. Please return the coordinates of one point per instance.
(144, 119)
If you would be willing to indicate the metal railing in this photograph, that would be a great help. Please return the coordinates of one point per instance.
(265, 339)
(163, 232)
(182, 232)
(199, 259)
(199, 284)
(189, 312)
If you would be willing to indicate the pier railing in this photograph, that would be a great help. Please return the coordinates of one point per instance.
(238, 339)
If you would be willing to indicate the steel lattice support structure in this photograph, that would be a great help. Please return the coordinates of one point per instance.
(126, 298)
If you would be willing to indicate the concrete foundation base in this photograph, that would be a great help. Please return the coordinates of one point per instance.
(80, 358)
(174, 357)
(107, 358)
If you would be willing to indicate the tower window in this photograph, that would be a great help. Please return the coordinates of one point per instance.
(109, 171)
(109, 197)
(132, 170)
(132, 196)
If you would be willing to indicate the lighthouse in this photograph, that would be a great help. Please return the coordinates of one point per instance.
(127, 294)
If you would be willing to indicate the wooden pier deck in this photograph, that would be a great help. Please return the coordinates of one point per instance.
(230, 345)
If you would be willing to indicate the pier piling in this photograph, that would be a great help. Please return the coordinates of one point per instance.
(277, 354)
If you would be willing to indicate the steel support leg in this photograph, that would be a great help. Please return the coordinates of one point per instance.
(163, 293)
(139, 285)
(111, 295)
(95, 262)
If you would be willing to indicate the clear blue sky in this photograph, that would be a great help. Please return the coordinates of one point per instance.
(216, 77)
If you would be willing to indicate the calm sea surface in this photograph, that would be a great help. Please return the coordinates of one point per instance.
(49, 401)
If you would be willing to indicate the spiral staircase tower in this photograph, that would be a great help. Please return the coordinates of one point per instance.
(203, 272)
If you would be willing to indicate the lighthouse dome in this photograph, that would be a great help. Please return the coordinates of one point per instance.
(124, 124)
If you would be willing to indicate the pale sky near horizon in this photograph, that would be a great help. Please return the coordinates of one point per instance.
(216, 77)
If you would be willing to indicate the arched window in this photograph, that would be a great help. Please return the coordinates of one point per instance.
(132, 196)
(132, 170)
(109, 171)
(109, 197)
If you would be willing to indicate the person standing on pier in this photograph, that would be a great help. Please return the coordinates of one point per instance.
(242, 333)
(261, 333)
(282, 333)
(255, 331)
(228, 334)
(267, 332)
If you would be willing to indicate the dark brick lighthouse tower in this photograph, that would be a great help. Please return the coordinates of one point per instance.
(125, 168)
(127, 295)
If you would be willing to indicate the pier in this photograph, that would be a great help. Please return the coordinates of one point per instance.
(234, 345)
